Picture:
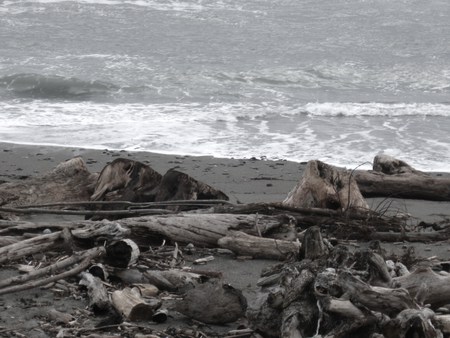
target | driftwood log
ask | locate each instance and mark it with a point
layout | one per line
(69, 181)
(325, 186)
(129, 180)
(132, 306)
(125, 180)
(333, 292)
(98, 296)
(391, 177)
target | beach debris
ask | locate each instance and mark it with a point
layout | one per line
(125, 180)
(132, 306)
(394, 177)
(68, 181)
(98, 296)
(319, 287)
(323, 294)
(122, 253)
(328, 187)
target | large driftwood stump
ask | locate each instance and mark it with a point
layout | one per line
(69, 181)
(325, 186)
(176, 185)
(125, 180)
(391, 177)
(128, 180)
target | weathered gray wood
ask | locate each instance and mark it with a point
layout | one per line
(69, 181)
(394, 178)
(125, 180)
(435, 286)
(132, 306)
(44, 281)
(243, 244)
(98, 296)
(325, 186)
(198, 229)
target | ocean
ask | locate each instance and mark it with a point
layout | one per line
(339, 81)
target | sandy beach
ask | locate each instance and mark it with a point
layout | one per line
(244, 180)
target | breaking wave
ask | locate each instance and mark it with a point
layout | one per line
(39, 86)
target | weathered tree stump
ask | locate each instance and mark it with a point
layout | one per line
(325, 186)
(125, 180)
(69, 181)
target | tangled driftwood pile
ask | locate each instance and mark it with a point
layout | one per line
(321, 288)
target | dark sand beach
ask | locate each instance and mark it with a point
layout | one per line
(244, 180)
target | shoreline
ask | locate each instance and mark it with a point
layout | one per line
(243, 180)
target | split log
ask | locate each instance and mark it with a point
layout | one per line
(325, 186)
(98, 296)
(394, 178)
(132, 306)
(243, 244)
(69, 181)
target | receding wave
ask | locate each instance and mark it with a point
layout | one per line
(376, 109)
(54, 87)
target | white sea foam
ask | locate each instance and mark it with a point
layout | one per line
(240, 130)
(376, 109)
(193, 6)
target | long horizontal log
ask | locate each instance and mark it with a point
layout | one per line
(199, 229)
(258, 247)
(392, 177)
(412, 186)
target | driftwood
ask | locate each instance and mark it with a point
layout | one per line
(98, 296)
(125, 180)
(394, 178)
(132, 306)
(325, 186)
(69, 181)
(128, 180)
(85, 262)
(122, 253)
(336, 293)
(258, 247)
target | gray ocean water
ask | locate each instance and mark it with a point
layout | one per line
(338, 81)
